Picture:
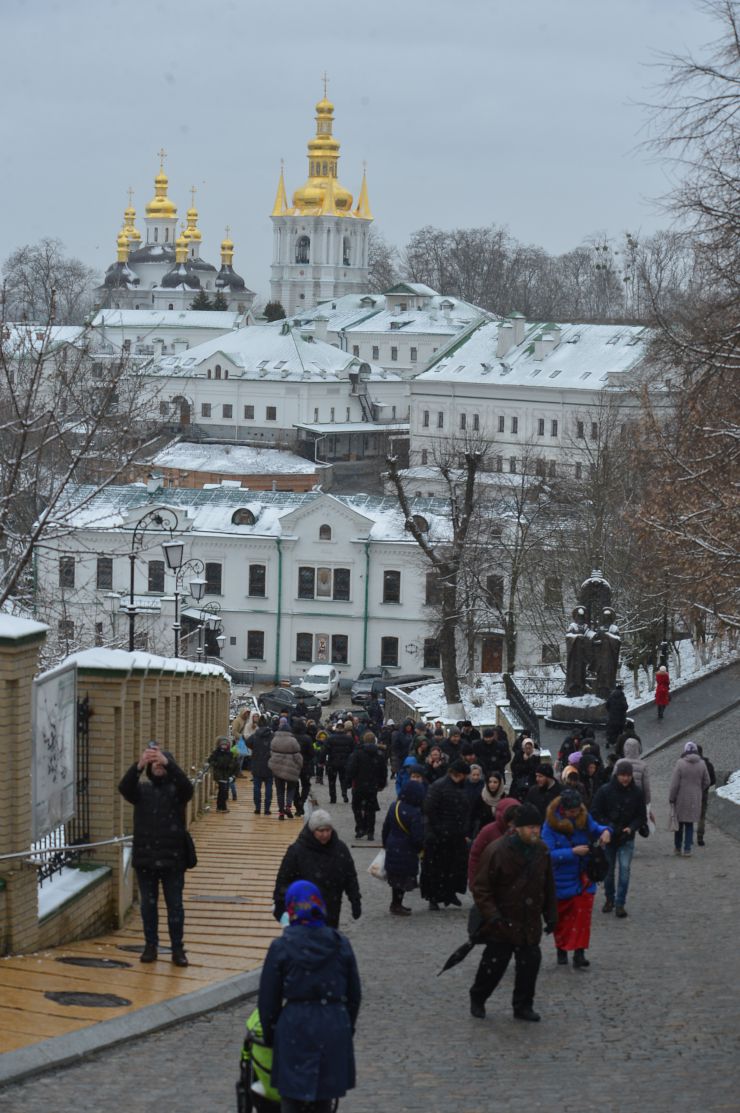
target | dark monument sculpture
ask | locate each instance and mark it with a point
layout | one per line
(592, 642)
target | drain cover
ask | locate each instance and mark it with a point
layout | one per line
(220, 899)
(137, 948)
(88, 1000)
(96, 963)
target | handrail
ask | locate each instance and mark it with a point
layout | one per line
(522, 707)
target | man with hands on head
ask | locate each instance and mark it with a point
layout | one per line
(159, 850)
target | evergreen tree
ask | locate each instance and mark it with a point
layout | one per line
(274, 311)
(220, 302)
(201, 301)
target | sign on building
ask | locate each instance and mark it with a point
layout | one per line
(54, 745)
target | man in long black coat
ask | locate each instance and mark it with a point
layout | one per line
(616, 714)
(159, 850)
(366, 772)
(444, 868)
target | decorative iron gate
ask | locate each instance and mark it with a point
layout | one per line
(61, 842)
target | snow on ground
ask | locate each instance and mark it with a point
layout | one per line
(731, 791)
(60, 887)
(695, 661)
(480, 702)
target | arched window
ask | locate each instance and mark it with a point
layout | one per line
(346, 251)
(156, 235)
(170, 306)
(226, 373)
(208, 373)
(324, 533)
(303, 250)
(243, 517)
(218, 370)
(166, 235)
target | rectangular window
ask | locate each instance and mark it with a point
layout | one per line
(476, 423)
(205, 409)
(413, 355)
(105, 574)
(355, 349)
(553, 594)
(99, 636)
(499, 463)
(228, 410)
(515, 424)
(271, 413)
(553, 428)
(552, 469)
(67, 571)
(323, 583)
(594, 430)
(331, 414)
(391, 586)
(425, 419)
(580, 431)
(155, 576)
(339, 649)
(304, 647)
(316, 413)
(389, 652)
(540, 427)
(213, 578)
(495, 590)
(579, 471)
(249, 413)
(257, 579)
(433, 590)
(431, 653)
(394, 354)
(539, 468)
(347, 417)
(463, 421)
(341, 584)
(306, 582)
(512, 465)
(440, 420)
(501, 426)
(376, 351)
(256, 645)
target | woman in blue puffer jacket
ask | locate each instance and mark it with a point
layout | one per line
(568, 832)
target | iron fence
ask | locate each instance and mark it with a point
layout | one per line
(63, 840)
(522, 708)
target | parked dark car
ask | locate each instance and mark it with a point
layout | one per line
(361, 688)
(284, 701)
(378, 686)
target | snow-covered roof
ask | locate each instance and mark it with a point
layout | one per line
(233, 459)
(211, 510)
(268, 352)
(220, 321)
(325, 427)
(431, 319)
(118, 660)
(369, 313)
(585, 357)
(17, 338)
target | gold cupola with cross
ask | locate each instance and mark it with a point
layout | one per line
(320, 242)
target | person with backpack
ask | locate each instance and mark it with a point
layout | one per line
(568, 833)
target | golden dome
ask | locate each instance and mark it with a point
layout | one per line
(227, 249)
(192, 232)
(181, 248)
(129, 216)
(160, 205)
(123, 246)
(323, 157)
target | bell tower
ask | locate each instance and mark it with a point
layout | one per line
(320, 243)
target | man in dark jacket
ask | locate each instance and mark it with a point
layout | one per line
(401, 740)
(366, 772)
(259, 744)
(545, 789)
(616, 714)
(305, 741)
(492, 753)
(514, 892)
(452, 745)
(704, 798)
(320, 856)
(339, 745)
(224, 766)
(621, 806)
(447, 811)
(159, 844)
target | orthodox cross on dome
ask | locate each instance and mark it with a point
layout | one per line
(130, 197)
(162, 155)
(193, 192)
(325, 79)
(228, 231)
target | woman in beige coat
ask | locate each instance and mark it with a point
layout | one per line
(690, 779)
(285, 762)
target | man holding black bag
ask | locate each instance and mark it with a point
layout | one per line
(160, 852)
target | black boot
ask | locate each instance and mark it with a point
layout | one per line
(149, 954)
(562, 957)
(580, 960)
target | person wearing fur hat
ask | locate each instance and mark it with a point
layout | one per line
(514, 892)
(689, 781)
(159, 852)
(567, 833)
(320, 856)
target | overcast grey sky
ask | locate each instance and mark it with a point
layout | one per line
(517, 113)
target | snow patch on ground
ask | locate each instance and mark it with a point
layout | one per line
(480, 702)
(60, 887)
(731, 791)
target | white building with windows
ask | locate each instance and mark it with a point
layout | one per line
(536, 393)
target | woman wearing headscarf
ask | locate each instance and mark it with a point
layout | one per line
(689, 781)
(309, 998)
(567, 833)
(493, 791)
(662, 690)
(403, 840)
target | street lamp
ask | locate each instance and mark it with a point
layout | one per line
(163, 518)
(209, 613)
(173, 553)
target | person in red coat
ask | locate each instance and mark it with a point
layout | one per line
(662, 693)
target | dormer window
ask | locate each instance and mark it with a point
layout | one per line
(243, 517)
(420, 522)
(324, 533)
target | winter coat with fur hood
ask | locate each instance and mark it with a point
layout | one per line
(560, 835)
(285, 756)
(690, 778)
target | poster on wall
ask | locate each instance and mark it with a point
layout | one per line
(54, 746)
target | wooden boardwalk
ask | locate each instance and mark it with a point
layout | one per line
(228, 928)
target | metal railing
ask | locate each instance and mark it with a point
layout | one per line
(60, 847)
(541, 691)
(522, 707)
(243, 677)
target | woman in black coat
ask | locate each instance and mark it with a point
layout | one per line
(523, 770)
(445, 865)
(319, 855)
(403, 840)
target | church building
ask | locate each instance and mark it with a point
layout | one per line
(320, 243)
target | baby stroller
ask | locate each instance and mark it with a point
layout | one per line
(254, 1090)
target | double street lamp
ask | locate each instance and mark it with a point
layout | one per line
(173, 554)
(162, 518)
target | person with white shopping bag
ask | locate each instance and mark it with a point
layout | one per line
(403, 840)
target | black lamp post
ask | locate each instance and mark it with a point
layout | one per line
(210, 613)
(173, 553)
(162, 518)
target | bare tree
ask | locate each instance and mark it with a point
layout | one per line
(41, 284)
(382, 263)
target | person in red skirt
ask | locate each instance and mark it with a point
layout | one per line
(568, 831)
(662, 690)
